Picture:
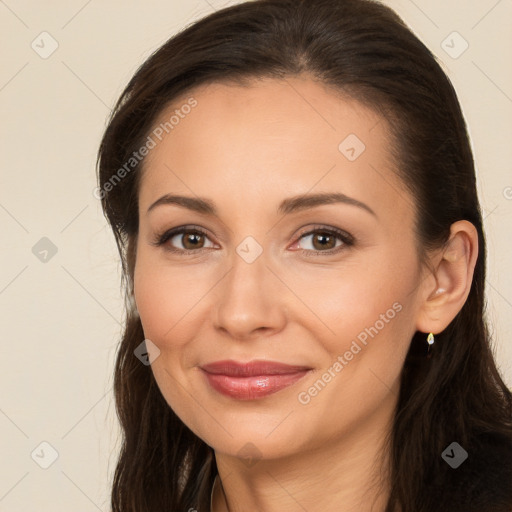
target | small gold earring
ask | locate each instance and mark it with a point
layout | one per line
(430, 341)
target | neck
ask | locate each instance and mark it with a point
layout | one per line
(347, 474)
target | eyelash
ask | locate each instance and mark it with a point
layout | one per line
(347, 239)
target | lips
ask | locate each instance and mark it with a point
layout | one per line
(253, 380)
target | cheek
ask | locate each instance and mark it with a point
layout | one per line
(353, 298)
(369, 314)
(168, 300)
(364, 359)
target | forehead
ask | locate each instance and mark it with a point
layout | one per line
(271, 138)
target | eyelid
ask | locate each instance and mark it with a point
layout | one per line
(161, 238)
(346, 238)
(330, 229)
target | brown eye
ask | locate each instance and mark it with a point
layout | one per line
(184, 240)
(324, 240)
(191, 240)
(320, 241)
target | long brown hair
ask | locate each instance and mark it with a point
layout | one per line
(364, 50)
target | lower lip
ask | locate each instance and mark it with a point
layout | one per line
(252, 388)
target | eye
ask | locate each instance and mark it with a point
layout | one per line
(191, 238)
(324, 240)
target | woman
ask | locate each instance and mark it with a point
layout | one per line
(292, 191)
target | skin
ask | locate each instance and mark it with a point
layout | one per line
(246, 149)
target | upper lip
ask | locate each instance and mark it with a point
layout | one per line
(252, 368)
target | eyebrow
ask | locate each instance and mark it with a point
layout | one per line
(287, 206)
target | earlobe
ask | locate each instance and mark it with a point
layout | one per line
(454, 269)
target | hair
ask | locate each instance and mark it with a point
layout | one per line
(363, 50)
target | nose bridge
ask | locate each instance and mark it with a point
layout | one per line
(247, 301)
(249, 262)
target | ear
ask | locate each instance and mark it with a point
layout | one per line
(453, 274)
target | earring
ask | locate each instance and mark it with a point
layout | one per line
(430, 341)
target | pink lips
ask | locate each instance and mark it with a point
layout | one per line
(253, 380)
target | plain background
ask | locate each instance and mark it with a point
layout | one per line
(61, 317)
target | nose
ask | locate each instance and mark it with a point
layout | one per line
(250, 300)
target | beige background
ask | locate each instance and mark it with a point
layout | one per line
(61, 318)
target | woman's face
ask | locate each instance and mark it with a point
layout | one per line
(267, 277)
